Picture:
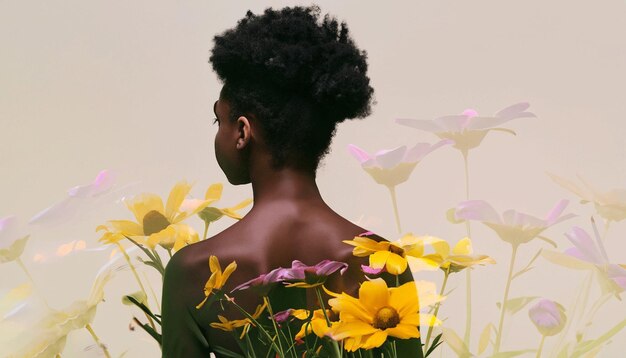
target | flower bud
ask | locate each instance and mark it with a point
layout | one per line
(548, 316)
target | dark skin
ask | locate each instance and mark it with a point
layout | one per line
(289, 220)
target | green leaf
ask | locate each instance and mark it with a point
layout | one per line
(586, 346)
(551, 242)
(527, 267)
(436, 343)
(143, 308)
(483, 342)
(452, 339)
(210, 214)
(515, 304)
(14, 251)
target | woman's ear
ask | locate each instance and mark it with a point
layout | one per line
(244, 132)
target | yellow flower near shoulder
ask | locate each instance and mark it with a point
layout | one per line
(461, 256)
(379, 312)
(217, 279)
(317, 325)
(226, 325)
(157, 223)
(394, 257)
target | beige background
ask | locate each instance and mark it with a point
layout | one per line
(125, 85)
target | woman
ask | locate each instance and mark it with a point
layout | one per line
(289, 78)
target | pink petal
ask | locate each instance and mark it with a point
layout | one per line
(358, 153)
(513, 110)
(477, 210)
(453, 123)
(390, 158)
(584, 245)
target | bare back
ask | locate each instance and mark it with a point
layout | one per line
(261, 241)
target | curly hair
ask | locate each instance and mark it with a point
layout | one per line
(298, 75)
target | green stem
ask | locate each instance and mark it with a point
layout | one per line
(257, 324)
(505, 299)
(143, 289)
(269, 309)
(543, 339)
(206, 229)
(437, 305)
(97, 340)
(392, 191)
(154, 296)
(323, 307)
(468, 272)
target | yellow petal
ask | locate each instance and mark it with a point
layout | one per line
(396, 264)
(463, 247)
(214, 192)
(403, 331)
(379, 259)
(374, 294)
(165, 238)
(176, 197)
(214, 264)
(423, 263)
(375, 340)
(351, 329)
(229, 269)
(142, 204)
(126, 227)
(241, 205)
(404, 299)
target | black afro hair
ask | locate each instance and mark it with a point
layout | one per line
(298, 75)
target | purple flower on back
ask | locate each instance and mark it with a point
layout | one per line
(264, 282)
(311, 276)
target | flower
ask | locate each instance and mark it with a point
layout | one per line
(589, 255)
(467, 130)
(514, 227)
(611, 204)
(461, 257)
(394, 257)
(366, 322)
(317, 323)
(548, 316)
(47, 338)
(79, 198)
(160, 224)
(226, 325)
(264, 282)
(8, 236)
(217, 279)
(209, 213)
(312, 276)
(391, 167)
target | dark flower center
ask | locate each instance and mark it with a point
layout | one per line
(396, 250)
(386, 317)
(154, 222)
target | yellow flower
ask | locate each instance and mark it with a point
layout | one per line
(229, 326)
(217, 279)
(379, 312)
(317, 325)
(157, 223)
(395, 256)
(461, 256)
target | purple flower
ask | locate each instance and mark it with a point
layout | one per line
(548, 316)
(264, 282)
(282, 316)
(311, 276)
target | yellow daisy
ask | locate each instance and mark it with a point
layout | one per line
(461, 256)
(394, 257)
(226, 325)
(156, 223)
(317, 325)
(379, 312)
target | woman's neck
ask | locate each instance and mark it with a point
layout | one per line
(286, 184)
